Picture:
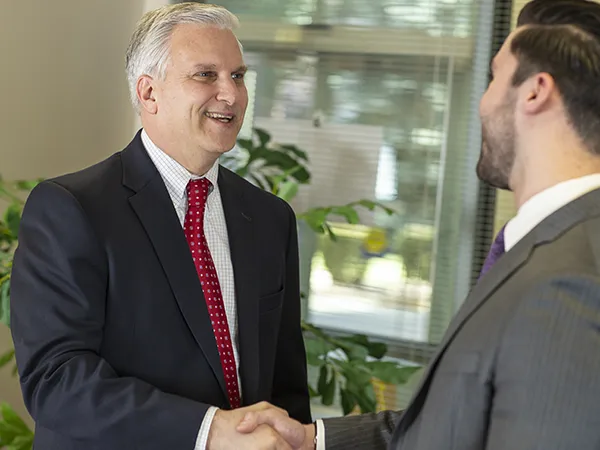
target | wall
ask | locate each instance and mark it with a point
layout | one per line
(64, 96)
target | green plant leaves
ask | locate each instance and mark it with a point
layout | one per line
(14, 433)
(375, 349)
(346, 364)
(263, 136)
(346, 211)
(5, 300)
(327, 384)
(6, 357)
(390, 372)
(288, 190)
(12, 217)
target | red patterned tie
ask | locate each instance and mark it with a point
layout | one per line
(197, 191)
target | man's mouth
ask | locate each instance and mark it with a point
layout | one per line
(221, 117)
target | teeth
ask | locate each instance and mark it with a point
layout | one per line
(218, 116)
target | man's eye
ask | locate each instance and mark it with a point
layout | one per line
(205, 74)
(238, 76)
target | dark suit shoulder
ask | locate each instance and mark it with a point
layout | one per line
(93, 179)
(267, 201)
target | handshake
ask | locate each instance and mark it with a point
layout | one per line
(261, 426)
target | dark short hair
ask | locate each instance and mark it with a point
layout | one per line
(562, 38)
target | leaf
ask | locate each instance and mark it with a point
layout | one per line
(21, 443)
(371, 205)
(348, 401)
(301, 175)
(375, 349)
(263, 136)
(322, 383)
(5, 302)
(329, 392)
(279, 160)
(330, 232)
(366, 399)
(356, 374)
(27, 185)
(11, 418)
(246, 144)
(348, 212)
(312, 392)
(12, 217)
(287, 190)
(316, 350)
(390, 372)
(6, 357)
(295, 150)
(355, 352)
(8, 433)
(315, 218)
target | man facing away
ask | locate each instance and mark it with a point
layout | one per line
(519, 367)
(156, 292)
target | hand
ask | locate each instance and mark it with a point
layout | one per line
(300, 437)
(223, 434)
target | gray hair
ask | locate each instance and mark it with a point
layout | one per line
(149, 48)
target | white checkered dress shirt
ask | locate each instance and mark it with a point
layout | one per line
(176, 178)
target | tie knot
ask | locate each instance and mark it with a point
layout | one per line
(197, 192)
(496, 251)
(498, 244)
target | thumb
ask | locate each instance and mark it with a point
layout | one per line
(248, 423)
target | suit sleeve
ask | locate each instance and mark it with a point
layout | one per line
(290, 382)
(547, 382)
(372, 431)
(58, 292)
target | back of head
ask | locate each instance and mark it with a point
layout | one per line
(562, 38)
(148, 50)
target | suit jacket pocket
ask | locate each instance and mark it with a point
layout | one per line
(460, 363)
(270, 302)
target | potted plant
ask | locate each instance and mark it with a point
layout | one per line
(14, 432)
(348, 365)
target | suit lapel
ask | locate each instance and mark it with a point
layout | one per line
(547, 231)
(242, 240)
(153, 206)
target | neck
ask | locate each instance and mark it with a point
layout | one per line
(549, 167)
(194, 160)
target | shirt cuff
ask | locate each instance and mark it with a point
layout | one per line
(320, 435)
(202, 439)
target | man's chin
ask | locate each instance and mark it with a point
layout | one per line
(492, 178)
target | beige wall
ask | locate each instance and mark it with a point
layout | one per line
(63, 92)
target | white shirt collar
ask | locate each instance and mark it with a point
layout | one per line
(175, 176)
(542, 205)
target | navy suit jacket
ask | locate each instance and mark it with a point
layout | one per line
(113, 340)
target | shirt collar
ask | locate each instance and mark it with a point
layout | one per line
(175, 176)
(542, 205)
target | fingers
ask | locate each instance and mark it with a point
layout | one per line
(271, 440)
(261, 406)
(289, 429)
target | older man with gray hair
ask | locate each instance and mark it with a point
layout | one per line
(155, 295)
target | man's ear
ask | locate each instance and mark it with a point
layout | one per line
(538, 93)
(146, 94)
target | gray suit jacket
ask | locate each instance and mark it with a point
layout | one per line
(519, 367)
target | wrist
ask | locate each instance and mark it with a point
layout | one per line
(214, 430)
(310, 440)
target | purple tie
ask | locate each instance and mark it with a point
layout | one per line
(496, 251)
